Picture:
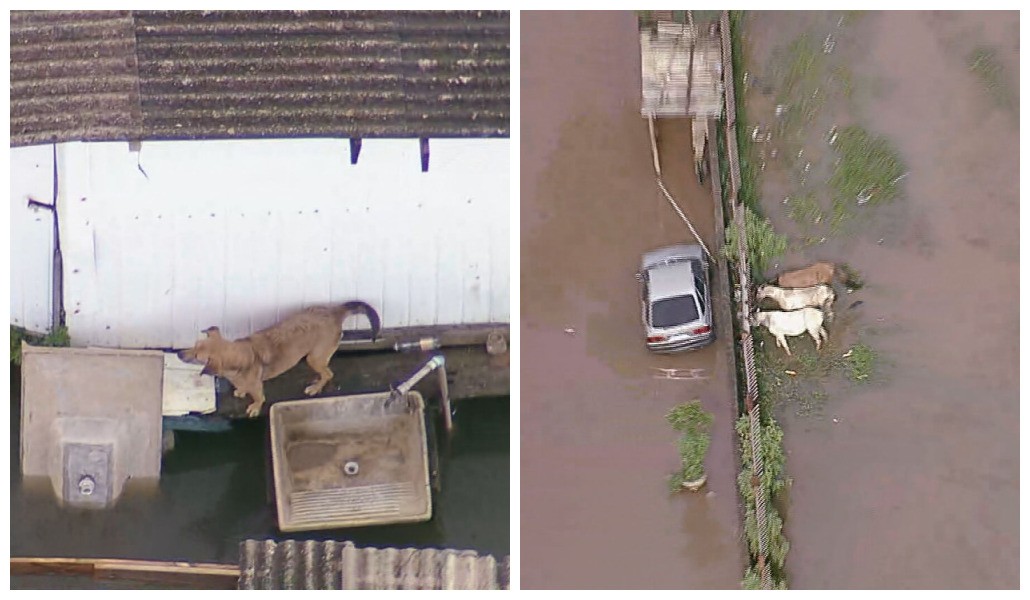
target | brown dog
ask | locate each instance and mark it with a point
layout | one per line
(313, 333)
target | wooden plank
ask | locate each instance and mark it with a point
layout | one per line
(194, 575)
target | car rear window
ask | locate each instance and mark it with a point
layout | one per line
(677, 310)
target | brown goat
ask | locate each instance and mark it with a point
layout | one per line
(816, 274)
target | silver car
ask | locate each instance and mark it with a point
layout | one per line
(677, 305)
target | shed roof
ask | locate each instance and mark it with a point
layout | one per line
(681, 70)
(126, 75)
(271, 565)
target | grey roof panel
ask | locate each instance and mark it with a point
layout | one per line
(73, 76)
(271, 565)
(221, 74)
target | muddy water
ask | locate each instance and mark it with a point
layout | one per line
(214, 493)
(595, 449)
(916, 484)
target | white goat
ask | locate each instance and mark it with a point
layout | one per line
(816, 296)
(795, 322)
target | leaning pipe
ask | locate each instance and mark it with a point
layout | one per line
(436, 362)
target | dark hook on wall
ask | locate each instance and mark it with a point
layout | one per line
(355, 150)
(424, 146)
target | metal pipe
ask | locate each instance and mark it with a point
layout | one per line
(445, 398)
(436, 362)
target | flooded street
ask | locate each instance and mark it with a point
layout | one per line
(596, 451)
(214, 492)
(912, 481)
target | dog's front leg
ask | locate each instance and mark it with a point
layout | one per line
(258, 394)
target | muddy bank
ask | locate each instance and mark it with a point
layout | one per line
(595, 448)
(913, 481)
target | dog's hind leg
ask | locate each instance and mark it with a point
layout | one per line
(318, 360)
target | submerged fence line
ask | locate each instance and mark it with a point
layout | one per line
(744, 283)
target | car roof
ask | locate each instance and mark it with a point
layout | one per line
(671, 253)
(671, 279)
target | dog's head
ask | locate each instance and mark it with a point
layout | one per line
(205, 351)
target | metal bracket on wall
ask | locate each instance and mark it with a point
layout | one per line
(355, 150)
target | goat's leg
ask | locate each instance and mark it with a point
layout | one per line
(815, 336)
(781, 341)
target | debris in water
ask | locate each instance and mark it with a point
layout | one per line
(836, 420)
(570, 331)
(754, 133)
(848, 353)
(780, 109)
(789, 372)
(808, 167)
(865, 195)
(785, 201)
(710, 495)
(879, 241)
(829, 44)
(772, 153)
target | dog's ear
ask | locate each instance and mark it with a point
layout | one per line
(212, 333)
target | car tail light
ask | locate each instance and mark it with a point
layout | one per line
(701, 330)
(656, 338)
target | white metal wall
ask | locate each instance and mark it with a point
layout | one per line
(241, 233)
(32, 238)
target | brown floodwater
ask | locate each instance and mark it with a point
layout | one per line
(913, 481)
(595, 449)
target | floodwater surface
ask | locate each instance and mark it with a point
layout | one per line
(912, 481)
(215, 491)
(596, 452)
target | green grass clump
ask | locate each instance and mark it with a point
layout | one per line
(859, 362)
(983, 63)
(695, 425)
(764, 244)
(58, 337)
(805, 211)
(869, 171)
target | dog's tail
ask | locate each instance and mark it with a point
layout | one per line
(363, 308)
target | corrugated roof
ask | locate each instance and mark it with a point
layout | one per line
(73, 76)
(270, 565)
(91, 75)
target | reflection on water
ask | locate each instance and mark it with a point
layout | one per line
(215, 490)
